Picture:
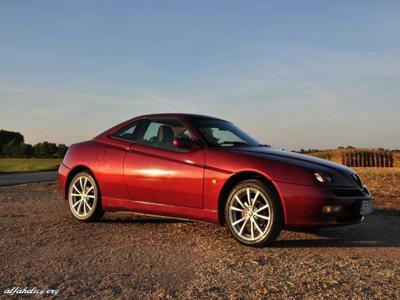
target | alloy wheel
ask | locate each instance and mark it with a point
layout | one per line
(250, 214)
(82, 196)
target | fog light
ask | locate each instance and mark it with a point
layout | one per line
(330, 209)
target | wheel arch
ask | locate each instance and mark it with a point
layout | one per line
(75, 170)
(236, 179)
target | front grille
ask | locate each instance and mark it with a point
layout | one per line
(357, 179)
(347, 193)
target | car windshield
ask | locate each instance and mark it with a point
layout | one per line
(219, 133)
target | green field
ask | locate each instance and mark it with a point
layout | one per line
(18, 165)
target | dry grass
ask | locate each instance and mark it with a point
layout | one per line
(384, 184)
(397, 160)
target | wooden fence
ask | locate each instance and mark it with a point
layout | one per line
(368, 158)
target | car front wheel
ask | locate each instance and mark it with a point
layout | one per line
(84, 198)
(253, 213)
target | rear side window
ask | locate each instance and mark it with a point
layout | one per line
(127, 133)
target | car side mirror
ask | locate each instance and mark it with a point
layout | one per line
(187, 144)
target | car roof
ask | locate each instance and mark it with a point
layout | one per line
(159, 115)
(187, 115)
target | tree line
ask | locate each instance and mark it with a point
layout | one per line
(307, 151)
(12, 144)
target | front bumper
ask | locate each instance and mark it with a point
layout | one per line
(304, 205)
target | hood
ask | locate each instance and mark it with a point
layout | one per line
(302, 159)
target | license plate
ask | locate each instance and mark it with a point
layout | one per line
(367, 206)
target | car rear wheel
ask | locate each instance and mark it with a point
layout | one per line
(84, 199)
(253, 213)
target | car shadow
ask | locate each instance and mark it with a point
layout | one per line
(375, 231)
(142, 220)
(380, 230)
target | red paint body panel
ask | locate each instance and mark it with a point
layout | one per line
(165, 177)
(189, 184)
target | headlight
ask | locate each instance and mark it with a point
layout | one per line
(323, 177)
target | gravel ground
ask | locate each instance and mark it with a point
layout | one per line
(126, 255)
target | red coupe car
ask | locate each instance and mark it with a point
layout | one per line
(204, 168)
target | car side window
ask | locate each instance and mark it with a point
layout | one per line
(151, 133)
(127, 133)
(161, 134)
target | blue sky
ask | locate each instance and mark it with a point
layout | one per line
(295, 74)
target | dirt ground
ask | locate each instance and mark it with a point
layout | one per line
(129, 256)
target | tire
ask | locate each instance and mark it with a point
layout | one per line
(253, 213)
(84, 198)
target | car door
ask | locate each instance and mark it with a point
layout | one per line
(157, 172)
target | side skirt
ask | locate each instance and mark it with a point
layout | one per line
(114, 204)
